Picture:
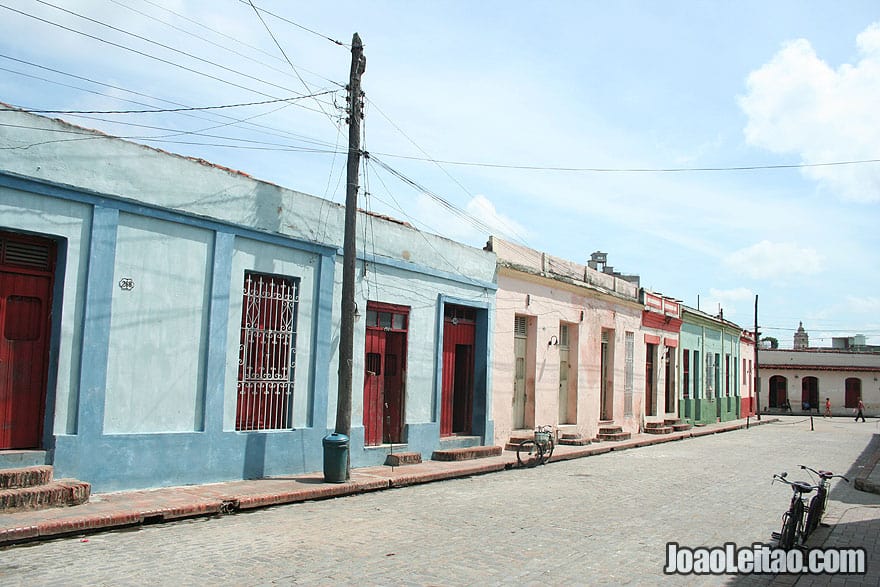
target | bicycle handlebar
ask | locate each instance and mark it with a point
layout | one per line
(801, 486)
(824, 474)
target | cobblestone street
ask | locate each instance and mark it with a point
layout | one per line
(599, 520)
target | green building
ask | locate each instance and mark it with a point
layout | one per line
(709, 353)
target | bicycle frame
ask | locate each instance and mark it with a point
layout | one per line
(793, 520)
(820, 500)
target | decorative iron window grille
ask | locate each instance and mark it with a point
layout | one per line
(267, 353)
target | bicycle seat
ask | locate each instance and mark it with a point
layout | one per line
(802, 487)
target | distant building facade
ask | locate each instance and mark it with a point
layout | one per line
(803, 379)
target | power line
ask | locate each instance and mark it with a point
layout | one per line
(286, 58)
(218, 45)
(296, 24)
(157, 110)
(630, 169)
(154, 57)
(262, 127)
(84, 135)
(164, 46)
(511, 230)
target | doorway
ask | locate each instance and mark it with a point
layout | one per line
(457, 397)
(385, 373)
(26, 280)
(567, 374)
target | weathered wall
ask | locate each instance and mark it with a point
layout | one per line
(547, 304)
(142, 388)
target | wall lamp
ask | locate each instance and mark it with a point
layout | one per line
(553, 341)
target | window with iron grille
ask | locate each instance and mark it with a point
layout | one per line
(267, 354)
(629, 376)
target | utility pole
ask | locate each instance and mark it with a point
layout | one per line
(346, 335)
(757, 375)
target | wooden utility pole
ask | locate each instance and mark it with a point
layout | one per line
(346, 334)
(757, 376)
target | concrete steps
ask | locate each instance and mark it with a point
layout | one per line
(657, 428)
(32, 488)
(399, 459)
(677, 425)
(573, 439)
(612, 433)
(466, 454)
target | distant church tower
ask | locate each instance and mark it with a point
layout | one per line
(801, 338)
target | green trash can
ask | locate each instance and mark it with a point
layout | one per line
(335, 458)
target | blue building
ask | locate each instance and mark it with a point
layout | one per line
(177, 322)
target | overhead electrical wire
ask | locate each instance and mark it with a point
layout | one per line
(158, 110)
(289, 62)
(296, 24)
(215, 44)
(511, 230)
(216, 115)
(154, 57)
(631, 169)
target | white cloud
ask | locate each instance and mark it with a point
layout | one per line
(775, 260)
(481, 210)
(738, 294)
(797, 103)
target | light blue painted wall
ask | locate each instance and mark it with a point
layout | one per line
(145, 385)
(156, 355)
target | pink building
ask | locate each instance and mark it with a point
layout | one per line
(566, 347)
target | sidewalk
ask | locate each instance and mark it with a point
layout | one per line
(131, 508)
(857, 525)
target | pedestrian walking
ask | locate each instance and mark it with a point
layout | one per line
(827, 413)
(861, 409)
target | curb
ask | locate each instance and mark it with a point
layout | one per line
(869, 464)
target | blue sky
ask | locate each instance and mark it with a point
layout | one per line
(588, 85)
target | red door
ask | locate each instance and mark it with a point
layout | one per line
(459, 336)
(374, 387)
(25, 303)
(384, 373)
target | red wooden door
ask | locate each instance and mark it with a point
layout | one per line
(374, 387)
(384, 373)
(852, 392)
(25, 303)
(394, 365)
(456, 401)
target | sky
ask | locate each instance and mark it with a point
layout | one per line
(688, 140)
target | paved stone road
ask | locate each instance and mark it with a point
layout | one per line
(599, 520)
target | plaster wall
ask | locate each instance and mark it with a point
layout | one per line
(547, 304)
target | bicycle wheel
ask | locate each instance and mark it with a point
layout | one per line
(791, 520)
(528, 453)
(548, 451)
(814, 515)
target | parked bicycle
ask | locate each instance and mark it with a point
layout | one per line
(820, 500)
(538, 450)
(793, 520)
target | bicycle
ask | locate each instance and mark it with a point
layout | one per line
(820, 500)
(536, 451)
(793, 520)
